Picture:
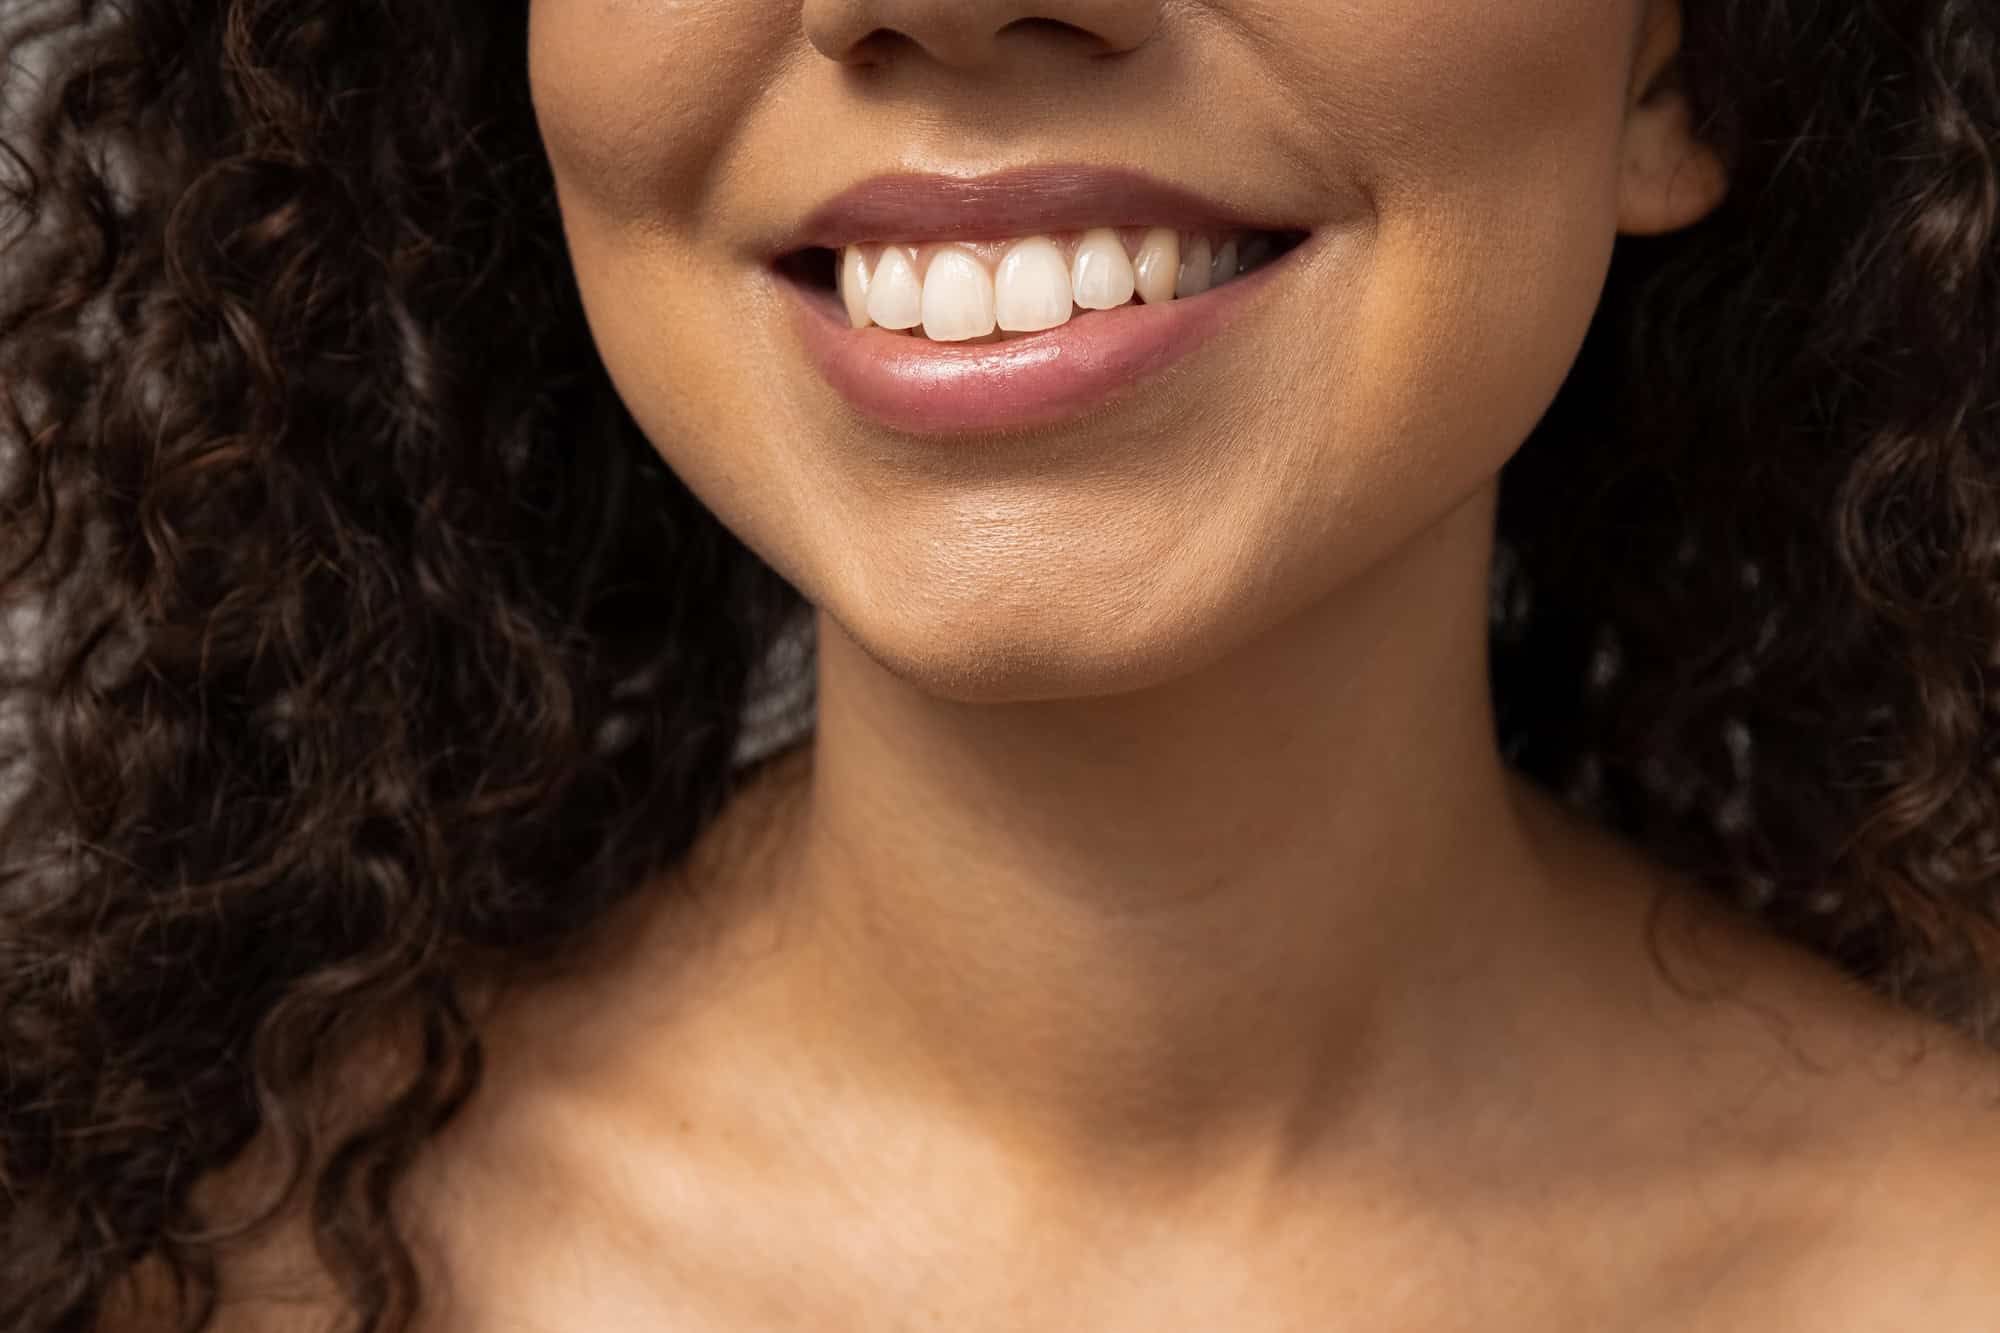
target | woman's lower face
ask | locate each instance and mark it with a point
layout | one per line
(1006, 513)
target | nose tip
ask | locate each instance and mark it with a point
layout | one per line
(968, 34)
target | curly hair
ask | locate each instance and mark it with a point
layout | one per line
(363, 652)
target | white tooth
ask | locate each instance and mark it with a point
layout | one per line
(1195, 264)
(895, 296)
(1255, 251)
(1225, 264)
(854, 286)
(958, 297)
(1101, 275)
(1157, 266)
(1031, 288)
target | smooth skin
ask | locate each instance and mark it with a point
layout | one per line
(1152, 937)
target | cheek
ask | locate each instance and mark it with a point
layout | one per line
(641, 105)
(1487, 135)
(637, 103)
(1435, 81)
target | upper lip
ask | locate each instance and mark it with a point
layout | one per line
(1024, 201)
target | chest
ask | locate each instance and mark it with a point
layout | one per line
(863, 1274)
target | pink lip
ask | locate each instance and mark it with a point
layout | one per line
(1046, 198)
(923, 387)
(912, 384)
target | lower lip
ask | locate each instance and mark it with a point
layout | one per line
(912, 384)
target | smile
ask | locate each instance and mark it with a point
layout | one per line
(967, 333)
(959, 292)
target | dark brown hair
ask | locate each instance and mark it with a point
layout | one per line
(360, 648)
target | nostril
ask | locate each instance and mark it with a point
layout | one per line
(1054, 29)
(879, 44)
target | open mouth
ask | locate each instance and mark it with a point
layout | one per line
(997, 291)
(980, 338)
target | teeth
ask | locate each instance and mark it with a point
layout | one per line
(1101, 274)
(854, 286)
(958, 298)
(1157, 265)
(1225, 264)
(895, 297)
(1195, 266)
(1032, 290)
(956, 292)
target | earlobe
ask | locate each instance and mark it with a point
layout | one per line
(1669, 179)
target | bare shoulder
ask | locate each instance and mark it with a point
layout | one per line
(274, 1285)
(1850, 1145)
(1910, 1236)
(1891, 1213)
(269, 1278)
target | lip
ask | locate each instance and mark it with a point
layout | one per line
(911, 384)
(922, 387)
(1026, 200)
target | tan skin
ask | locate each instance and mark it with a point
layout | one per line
(1151, 935)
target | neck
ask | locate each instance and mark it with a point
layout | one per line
(1210, 917)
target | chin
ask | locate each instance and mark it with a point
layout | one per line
(977, 644)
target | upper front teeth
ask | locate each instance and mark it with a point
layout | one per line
(1031, 289)
(955, 292)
